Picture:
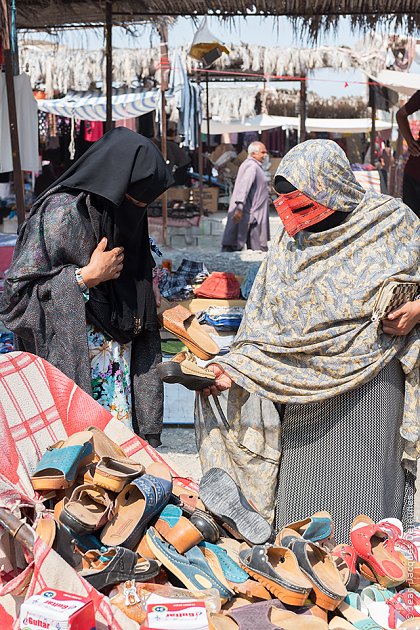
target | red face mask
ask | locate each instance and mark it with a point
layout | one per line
(298, 212)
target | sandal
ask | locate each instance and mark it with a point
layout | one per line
(88, 509)
(116, 565)
(177, 530)
(316, 528)
(353, 614)
(345, 558)
(183, 369)
(277, 569)
(113, 474)
(59, 465)
(378, 563)
(270, 615)
(319, 567)
(402, 606)
(230, 573)
(184, 325)
(223, 498)
(191, 569)
(136, 505)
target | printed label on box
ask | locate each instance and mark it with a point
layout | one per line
(190, 615)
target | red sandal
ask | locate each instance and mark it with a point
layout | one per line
(345, 558)
(377, 562)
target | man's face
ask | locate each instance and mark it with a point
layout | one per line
(260, 155)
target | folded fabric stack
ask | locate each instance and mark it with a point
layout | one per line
(179, 284)
(224, 318)
(219, 285)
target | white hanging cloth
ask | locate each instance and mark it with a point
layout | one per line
(27, 121)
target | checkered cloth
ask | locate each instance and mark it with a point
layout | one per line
(39, 406)
(178, 285)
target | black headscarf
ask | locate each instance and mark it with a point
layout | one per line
(121, 162)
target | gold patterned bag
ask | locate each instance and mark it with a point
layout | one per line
(392, 295)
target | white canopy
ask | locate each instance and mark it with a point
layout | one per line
(403, 82)
(264, 121)
(89, 106)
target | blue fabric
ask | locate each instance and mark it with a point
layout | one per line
(246, 286)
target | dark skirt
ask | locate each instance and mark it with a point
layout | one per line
(344, 456)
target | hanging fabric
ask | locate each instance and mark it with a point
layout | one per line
(27, 121)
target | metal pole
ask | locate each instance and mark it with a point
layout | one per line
(11, 104)
(164, 70)
(373, 130)
(302, 130)
(108, 53)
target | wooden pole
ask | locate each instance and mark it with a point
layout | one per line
(108, 53)
(303, 108)
(11, 105)
(373, 130)
(164, 72)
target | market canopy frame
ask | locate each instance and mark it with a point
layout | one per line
(316, 16)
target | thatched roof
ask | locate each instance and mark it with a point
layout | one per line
(58, 67)
(317, 14)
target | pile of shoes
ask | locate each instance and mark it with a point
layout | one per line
(134, 533)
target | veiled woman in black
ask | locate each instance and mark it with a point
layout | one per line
(80, 292)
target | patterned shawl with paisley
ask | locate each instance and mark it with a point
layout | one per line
(307, 333)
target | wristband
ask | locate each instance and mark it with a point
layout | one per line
(80, 280)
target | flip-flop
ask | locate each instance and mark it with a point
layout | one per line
(184, 325)
(223, 498)
(58, 467)
(136, 505)
(191, 569)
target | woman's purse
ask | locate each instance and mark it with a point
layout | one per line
(392, 295)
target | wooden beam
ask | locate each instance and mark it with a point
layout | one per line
(302, 110)
(373, 130)
(108, 53)
(164, 78)
(11, 105)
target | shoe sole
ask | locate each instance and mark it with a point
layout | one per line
(222, 497)
(285, 596)
(171, 372)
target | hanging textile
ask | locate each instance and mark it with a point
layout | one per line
(27, 121)
(188, 102)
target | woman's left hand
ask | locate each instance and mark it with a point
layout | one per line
(156, 293)
(402, 321)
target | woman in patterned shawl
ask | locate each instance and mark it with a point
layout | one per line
(346, 388)
(79, 291)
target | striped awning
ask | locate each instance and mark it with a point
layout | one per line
(91, 106)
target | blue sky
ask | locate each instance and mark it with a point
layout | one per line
(252, 30)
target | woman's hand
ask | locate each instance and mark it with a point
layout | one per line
(103, 265)
(402, 321)
(222, 382)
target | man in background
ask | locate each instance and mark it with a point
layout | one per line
(247, 222)
(411, 181)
